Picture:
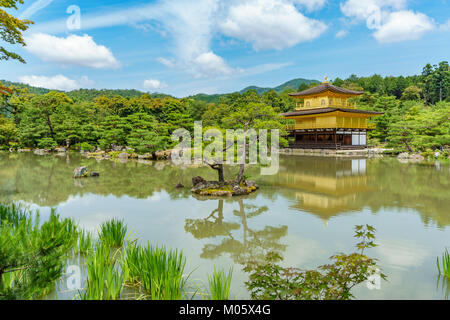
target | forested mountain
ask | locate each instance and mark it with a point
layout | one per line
(33, 90)
(293, 84)
(89, 94)
(85, 94)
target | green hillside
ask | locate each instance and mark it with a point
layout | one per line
(86, 94)
(89, 94)
(293, 84)
(34, 90)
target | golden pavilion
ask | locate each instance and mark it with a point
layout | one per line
(328, 120)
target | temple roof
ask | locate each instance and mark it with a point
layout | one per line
(325, 87)
(326, 110)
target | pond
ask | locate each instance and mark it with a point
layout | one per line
(306, 212)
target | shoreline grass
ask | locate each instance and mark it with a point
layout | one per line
(112, 233)
(444, 265)
(219, 283)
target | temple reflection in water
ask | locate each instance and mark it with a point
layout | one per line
(323, 187)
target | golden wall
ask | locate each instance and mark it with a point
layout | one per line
(331, 121)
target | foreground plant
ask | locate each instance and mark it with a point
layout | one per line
(158, 271)
(32, 256)
(219, 284)
(112, 233)
(85, 242)
(444, 265)
(333, 281)
(104, 280)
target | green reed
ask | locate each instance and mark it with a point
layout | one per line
(85, 242)
(162, 272)
(112, 233)
(219, 284)
(444, 264)
(157, 270)
(130, 264)
(104, 281)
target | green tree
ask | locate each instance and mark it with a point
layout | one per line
(8, 130)
(253, 116)
(146, 134)
(412, 93)
(113, 131)
(421, 127)
(32, 254)
(11, 29)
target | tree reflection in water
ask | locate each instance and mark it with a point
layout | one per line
(250, 245)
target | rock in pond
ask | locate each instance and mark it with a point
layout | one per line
(224, 189)
(123, 155)
(60, 150)
(417, 157)
(197, 180)
(95, 174)
(80, 172)
(403, 155)
(41, 152)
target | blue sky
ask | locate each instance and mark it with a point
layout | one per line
(183, 47)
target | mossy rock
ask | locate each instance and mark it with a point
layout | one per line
(224, 189)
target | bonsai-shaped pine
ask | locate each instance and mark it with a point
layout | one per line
(254, 116)
(333, 281)
(247, 117)
(32, 255)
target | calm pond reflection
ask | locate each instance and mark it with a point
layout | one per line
(306, 212)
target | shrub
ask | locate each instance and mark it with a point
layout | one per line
(47, 143)
(330, 282)
(85, 146)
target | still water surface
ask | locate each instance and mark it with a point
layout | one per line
(306, 213)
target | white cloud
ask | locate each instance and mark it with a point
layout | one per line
(401, 254)
(311, 5)
(154, 84)
(270, 24)
(167, 62)
(210, 64)
(57, 82)
(404, 25)
(73, 50)
(191, 25)
(390, 19)
(341, 34)
(370, 9)
(34, 8)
